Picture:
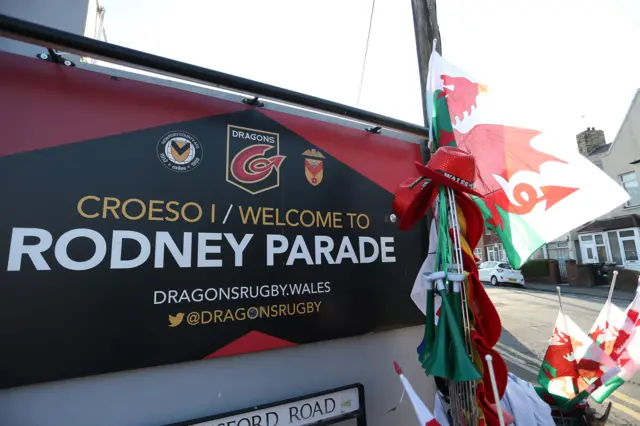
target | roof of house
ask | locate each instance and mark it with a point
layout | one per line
(626, 117)
(600, 150)
(618, 222)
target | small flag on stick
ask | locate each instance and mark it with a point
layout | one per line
(425, 418)
(625, 351)
(611, 322)
(573, 365)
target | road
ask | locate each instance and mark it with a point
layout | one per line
(528, 318)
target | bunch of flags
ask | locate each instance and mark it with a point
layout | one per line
(578, 365)
(533, 187)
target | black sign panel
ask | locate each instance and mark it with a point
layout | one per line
(135, 235)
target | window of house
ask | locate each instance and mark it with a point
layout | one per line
(614, 243)
(478, 253)
(501, 253)
(630, 184)
(487, 230)
(492, 253)
(630, 250)
(619, 246)
(601, 248)
(594, 248)
(496, 253)
(589, 253)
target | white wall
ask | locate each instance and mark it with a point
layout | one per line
(625, 149)
(67, 15)
(156, 396)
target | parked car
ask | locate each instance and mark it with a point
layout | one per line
(500, 272)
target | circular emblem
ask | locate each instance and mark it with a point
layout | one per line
(179, 151)
(252, 313)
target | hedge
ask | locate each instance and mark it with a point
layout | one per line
(536, 268)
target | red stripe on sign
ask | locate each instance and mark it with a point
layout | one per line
(44, 105)
(433, 422)
(254, 341)
(383, 160)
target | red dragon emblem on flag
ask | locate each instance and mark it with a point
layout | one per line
(499, 151)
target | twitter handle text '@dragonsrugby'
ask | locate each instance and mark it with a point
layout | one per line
(215, 294)
(244, 314)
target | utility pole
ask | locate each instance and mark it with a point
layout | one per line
(425, 24)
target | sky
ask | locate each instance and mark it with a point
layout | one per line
(567, 64)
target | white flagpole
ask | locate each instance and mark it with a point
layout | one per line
(613, 285)
(560, 299)
(494, 385)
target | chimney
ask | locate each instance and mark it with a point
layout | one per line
(589, 140)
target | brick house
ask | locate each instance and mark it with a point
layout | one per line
(490, 248)
(615, 237)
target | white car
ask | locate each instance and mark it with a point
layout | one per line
(500, 272)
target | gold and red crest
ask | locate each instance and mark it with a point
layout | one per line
(313, 166)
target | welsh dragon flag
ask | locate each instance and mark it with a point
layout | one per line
(625, 350)
(610, 322)
(536, 185)
(573, 363)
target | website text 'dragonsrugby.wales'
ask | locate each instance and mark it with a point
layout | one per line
(220, 294)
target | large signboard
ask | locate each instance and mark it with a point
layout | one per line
(143, 225)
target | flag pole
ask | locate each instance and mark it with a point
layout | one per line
(494, 385)
(584, 394)
(613, 285)
(426, 29)
(576, 399)
(560, 299)
(424, 416)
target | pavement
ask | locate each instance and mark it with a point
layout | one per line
(528, 316)
(599, 291)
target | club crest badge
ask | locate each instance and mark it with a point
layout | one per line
(179, 151)
(253, 159)
(313, 166)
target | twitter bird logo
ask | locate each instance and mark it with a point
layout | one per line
(176, 320)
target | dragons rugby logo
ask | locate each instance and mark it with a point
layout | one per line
(253, 159)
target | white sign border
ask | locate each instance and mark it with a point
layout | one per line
(338, 413)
